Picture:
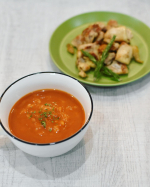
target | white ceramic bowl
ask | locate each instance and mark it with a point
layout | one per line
(38, 81)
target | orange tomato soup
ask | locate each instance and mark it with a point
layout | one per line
(46, 116)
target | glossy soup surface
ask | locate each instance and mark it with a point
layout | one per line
(46, 116)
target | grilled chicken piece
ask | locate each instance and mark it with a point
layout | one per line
(100, 37)
(109, 59)
(136, 54)
(102, 48)
(118, 68)
(85, 46)
(82, 74)
(84, 64)
(124, 53)
(101, 24)
(112, 23)
(89, 35)
(92, 32)
(91, 48)
(129, 34)
(122, 34)
(114, 47)
(88, 61)
(76, 42)
(70, 48)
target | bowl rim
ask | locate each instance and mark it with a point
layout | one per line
(53, 143)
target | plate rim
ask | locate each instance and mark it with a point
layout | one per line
(83, 80)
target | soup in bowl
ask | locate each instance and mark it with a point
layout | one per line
(46, 114)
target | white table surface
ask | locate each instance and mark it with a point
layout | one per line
(115, 151)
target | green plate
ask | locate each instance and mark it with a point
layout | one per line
(68, 30)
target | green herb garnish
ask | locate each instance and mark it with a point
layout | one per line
(45, 114)
(46, 104)
(91, 57)
(100, 64)
(43, 123)
(108, 72)
(30, 116)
